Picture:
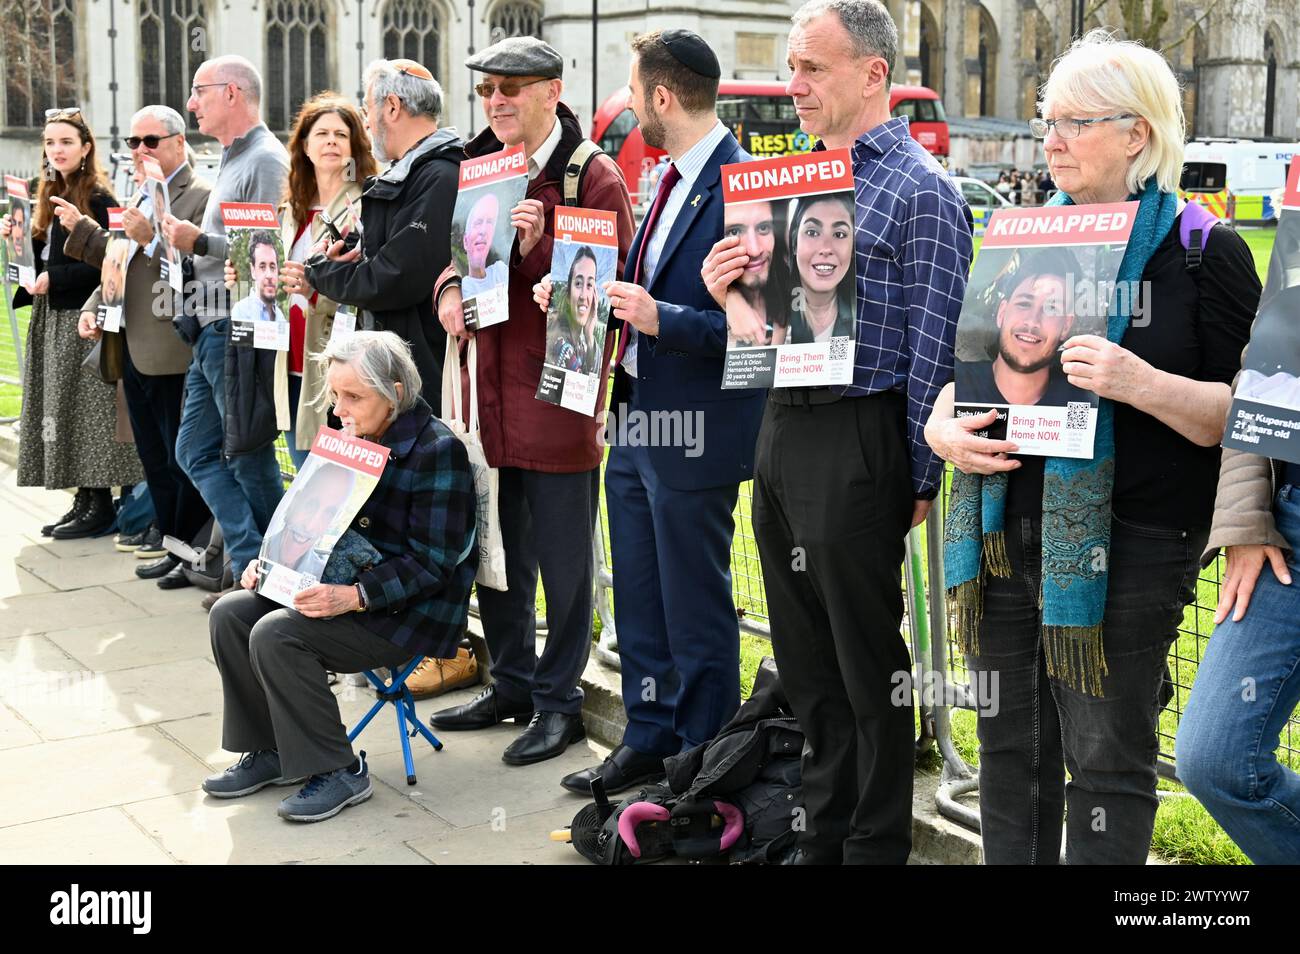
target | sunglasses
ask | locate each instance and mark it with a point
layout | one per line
(509, 88)
(134, 142)
(63, 112)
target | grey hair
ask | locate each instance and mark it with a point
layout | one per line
(420, 97)
(871, 29)
(171, 121)
(233, 68)
(381, 360)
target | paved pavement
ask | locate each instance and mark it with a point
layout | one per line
(110, 709)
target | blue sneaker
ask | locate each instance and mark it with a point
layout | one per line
(324, 796)
(252, 772)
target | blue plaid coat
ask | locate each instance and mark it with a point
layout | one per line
(421, 517)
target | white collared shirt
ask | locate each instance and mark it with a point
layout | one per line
(538, 160)
(690, 165)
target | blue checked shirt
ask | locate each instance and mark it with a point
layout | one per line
(913, 243)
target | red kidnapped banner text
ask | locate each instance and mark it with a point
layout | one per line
(243, 215)
(788, 176)
(493, 168)
(1102, 224)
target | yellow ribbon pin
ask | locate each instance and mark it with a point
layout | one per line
(695, 201)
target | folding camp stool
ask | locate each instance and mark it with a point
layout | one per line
(396, 694)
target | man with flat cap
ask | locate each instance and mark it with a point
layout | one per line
(548, 456)
(670, 512)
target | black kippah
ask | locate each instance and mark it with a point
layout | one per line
(690, 50)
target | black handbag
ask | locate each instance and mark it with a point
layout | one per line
(105, 360)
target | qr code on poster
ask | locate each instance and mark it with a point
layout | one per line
(1076, 415)
(840, 348)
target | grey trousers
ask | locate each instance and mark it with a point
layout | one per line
(272, 662)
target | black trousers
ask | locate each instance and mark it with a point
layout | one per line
(547, 524)
(153, 403)
(832, 507)
(276, 695)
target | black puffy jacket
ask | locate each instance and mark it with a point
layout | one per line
(406, 243)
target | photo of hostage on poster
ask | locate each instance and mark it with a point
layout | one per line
(158, 204)
(584, 260)
(259, 317)
(1265, 414)
(316, 510)
(482, 234)
(1043, 277)
(112, 274)
(792, 315)
(18, 246)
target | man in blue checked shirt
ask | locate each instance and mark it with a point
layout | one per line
(842, 473)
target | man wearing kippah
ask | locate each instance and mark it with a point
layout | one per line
(548, 457)
(670, 507)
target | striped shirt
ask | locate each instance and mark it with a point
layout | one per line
(913, 244)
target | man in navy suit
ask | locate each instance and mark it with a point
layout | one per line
(672, 487)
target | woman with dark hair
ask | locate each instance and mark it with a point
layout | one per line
(821, 255)
(69, 415)
(577, 346)
(329, 159)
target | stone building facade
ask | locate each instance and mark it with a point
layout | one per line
(1240, 62)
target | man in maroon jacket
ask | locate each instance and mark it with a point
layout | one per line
(549, 456)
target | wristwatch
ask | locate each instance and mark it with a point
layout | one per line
(363, 604)
(201, 244)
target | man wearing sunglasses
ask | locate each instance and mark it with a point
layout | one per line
(156, 359)
(405, 217)
(548, 456)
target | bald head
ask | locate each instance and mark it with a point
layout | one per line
(226, 98)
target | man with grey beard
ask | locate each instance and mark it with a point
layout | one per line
(405, 217)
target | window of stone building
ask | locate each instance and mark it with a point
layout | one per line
(413, 29)
(297, 57)
(515, 18)
(40, 58)
(169, 53)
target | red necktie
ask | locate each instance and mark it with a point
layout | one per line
(669, 179)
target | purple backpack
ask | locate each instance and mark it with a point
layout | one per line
(1194, 227)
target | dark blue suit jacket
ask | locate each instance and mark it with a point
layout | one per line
(680, 369)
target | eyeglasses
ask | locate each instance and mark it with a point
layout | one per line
(197, 87)
(509, 88)
(133, 142)
(62, 112)
(1068, 128)
(410, 68)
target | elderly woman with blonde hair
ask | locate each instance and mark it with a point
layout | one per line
(1068, 578)
(411, 597)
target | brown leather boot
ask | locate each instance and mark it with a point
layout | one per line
(433, 677)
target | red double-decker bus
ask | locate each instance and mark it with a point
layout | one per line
(763, 118)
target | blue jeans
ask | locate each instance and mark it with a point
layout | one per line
(241, 491)
(299, 457)
(1041, 726)
(1247, 686)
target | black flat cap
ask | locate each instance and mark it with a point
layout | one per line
(690, 50)
(519, 56)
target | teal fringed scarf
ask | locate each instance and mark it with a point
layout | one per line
(1076, 510)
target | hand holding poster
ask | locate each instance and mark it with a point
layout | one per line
(260, 318)
(112, 275)
(1042, 277)
(481, 233)
(791, 318)
(154, 188)
(22, 259)
(1265, 414)
(329, 490)
(585, 258)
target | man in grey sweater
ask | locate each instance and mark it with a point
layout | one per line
(224, 444)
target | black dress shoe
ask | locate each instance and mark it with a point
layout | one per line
(156, 569)
(624, 768)
(175, 579)
(547, 736)
(97, 517)
(485, 710)
(79, 504)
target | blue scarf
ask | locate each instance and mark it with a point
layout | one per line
(1076, 509)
